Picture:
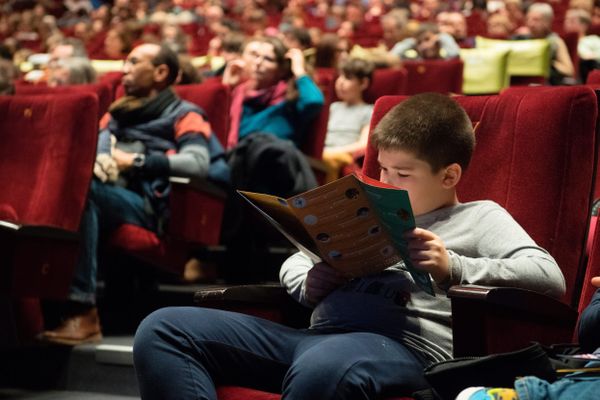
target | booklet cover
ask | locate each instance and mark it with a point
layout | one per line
(354, 224)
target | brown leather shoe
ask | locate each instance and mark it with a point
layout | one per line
(78, 329)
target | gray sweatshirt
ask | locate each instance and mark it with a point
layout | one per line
(486, 246)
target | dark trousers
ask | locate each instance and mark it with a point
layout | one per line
(184, 352)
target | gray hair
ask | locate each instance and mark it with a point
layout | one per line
(80, 70)
(543, 8)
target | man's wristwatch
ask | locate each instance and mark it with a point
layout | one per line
(139, 160)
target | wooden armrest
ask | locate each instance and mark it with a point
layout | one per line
(269, 301)
(34, 231)
(199, 185)
(489, 320)
(256, 294)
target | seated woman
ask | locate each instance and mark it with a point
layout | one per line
(272, 93)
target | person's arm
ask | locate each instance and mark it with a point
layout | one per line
(449, 45)
(191, 160)
(310, 98)
(401, 47)
(505, 256)
(309, 283)
(562, 61)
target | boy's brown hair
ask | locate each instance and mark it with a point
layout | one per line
(358, 68)
(432, 126)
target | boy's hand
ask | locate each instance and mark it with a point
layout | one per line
(428, 253)
(321, 280)
(596, 281)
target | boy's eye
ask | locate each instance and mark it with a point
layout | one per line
(401, 175)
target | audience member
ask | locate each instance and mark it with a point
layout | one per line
(145, 137)
(539, 25)
(348, 125)
(428, 44)
(455, 24)
(393, 25)
(588, 46)
(262, 79)
(8, 74)
(363, 341)
(331, 51)
(499, 26)
(70, 71)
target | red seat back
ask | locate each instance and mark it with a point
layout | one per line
(47, 155)
(441, 76)
(214, 98)
(535, 156)
(102, 90)
(386, 82)
(593, 77)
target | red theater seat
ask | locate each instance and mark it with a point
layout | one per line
(46, 160)
(593, 77)
(441, 76)
(103, 90)
(536, 157)
(387, 82)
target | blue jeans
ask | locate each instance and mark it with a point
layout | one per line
(184, 352)
(107, 207)
(532, 388)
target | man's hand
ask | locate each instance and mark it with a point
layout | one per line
(321, 280)
(428, 253)
(124, 160)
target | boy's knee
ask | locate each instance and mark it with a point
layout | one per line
(330, 380)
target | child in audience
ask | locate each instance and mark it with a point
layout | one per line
(370, 336)
(348, 126)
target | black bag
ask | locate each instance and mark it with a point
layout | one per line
(448, 378)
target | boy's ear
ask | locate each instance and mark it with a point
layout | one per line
(364, 84)
(451, 176)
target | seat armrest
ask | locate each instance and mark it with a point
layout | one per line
(37, 231)
(488, 320)
(268, 301)
(256, 294)
(199, 185)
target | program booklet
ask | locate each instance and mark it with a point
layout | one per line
(355, 224)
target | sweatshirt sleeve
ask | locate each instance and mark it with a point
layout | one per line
(192, 160)
(292, 276)
(504, 255)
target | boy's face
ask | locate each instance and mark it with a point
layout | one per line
(349, 90)
(404, 170)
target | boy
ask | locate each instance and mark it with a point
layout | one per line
(370, 336)
(348, 125)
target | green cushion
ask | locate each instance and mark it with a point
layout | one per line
(527, 57)
(485, 70)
